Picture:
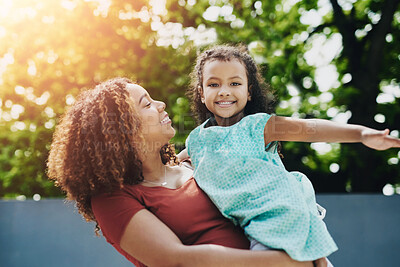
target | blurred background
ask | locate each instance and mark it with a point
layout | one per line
(337, 60)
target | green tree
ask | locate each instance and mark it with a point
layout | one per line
(281, 33)
(51, 50)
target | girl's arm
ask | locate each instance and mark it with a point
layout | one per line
(316, 130)
(183, 155)
(150, 241)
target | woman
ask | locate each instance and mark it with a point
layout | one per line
(110, 154)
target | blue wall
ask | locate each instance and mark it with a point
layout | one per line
(366, 229)
(51, 233)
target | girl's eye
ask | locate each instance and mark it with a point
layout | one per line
(213, 85)
(147, 105)
(235, 84)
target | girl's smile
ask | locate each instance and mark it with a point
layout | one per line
(225, 104)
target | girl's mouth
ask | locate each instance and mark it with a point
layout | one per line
(225, 104)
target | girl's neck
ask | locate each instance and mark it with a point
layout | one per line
(229, 121)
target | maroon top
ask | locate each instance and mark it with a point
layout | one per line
(187, 211)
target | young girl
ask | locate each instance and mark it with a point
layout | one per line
(234, 152)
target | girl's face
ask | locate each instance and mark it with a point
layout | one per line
(156, 124)
(225, 90)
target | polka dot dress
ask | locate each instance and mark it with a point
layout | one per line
(250, 186)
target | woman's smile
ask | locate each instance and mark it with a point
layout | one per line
(166, 120)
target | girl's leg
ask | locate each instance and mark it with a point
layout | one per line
(255, 245)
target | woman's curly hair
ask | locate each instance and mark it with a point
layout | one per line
(261, 95)
(97, 143)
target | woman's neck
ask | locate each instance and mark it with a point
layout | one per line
(152, 167)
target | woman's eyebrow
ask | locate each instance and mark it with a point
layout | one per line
(141, 98)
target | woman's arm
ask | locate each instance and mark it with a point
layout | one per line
(316, 130)
(150, 241)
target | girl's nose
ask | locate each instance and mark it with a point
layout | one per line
(224, 91)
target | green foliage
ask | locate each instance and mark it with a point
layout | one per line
(51, 50)
(279, 40)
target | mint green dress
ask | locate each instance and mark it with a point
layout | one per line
(250, 185)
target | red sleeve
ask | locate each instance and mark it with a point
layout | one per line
(113, 213)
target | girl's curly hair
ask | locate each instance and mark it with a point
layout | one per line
(97, 143)
(261, 95)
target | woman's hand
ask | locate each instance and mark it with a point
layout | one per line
(379, 140)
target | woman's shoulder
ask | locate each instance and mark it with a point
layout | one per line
(131, 192)
(114, 210)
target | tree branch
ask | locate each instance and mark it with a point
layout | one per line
(377, 36)
(347, 28)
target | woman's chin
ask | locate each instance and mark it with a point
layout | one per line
(169, 134)
(172, 134)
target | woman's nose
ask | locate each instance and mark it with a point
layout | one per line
(161, 106)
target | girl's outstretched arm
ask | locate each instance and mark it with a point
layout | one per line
(150, 241)
(316, 130)
(379, 140)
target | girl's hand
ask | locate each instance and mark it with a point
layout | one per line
(379, 140)
(322, 262)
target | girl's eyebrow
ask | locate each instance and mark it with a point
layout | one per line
(233, 77)
(212, 77)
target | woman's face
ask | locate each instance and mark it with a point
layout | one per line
(156, 125)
